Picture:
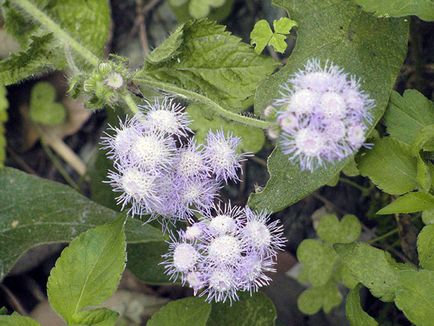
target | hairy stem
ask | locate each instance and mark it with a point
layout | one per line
(206, 101)
(39, 16)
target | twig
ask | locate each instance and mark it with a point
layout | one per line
(141, 24)
(258, 160)
(13, 301)
(20, 161)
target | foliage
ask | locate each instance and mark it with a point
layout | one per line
(3, 118)
(359, 35)
(262, 35)
(398, 8)
(43, 108)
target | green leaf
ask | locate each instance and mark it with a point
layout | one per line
(261, 35)
(313, 299)
(425, 245)
(372, 49)
(43, 108)
(399, 8)
(183, 312)
(409, 203)
(415, 296)
(332, 230)
(372, 267)
(257, 310)
(17, 320)
(391, 166)
(406, 115)
(86, 21)
(218, 10)
(88, 270)
(4, 104)
(99, 317)
(252, 139)
(212, 62)
(354, 310)
(51, 212)
(318, 261)
(34, 60)
(169, 48)
(428, 216)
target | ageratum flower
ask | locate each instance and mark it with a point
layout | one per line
(323, 115)
(232, 250)
(161, 171)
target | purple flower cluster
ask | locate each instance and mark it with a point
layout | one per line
(161, 171)
(323, 115)
(227, 252)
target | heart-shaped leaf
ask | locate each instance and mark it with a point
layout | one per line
(332, 230)
(43, 108)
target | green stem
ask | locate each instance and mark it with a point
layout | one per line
(384, 236)
(38, 15)
(206, 101)
(353, 184)
(130, 103)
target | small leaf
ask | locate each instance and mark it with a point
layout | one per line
(183, 312)
(284, 25)
(43, 108)
(278, 42)
(332, 230)
(409, 203)
(372, 267)
(313, 299)
(354, 310)
(17, 320)
(252, 139)
(256, 309)
(406, 115)
(88, 270)
(261, 35)
(428, 216)
(318, 261)
(425, 245)
(391, 166)
(415, 296)
(399, 8)
(169, 48)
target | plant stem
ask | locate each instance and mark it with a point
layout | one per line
(130, 103)
(384, 236)
(204, 100)
(38, 15)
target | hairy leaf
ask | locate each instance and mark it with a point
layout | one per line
(372, 267)
(332, 230)
(212, 62)
(337, 30)
(425, 245)
(50, 212)
(399, 8)
(88, 271)
(415, 296)
(409, 203)
(391, 166)
(406, 115)
(183, 312)
(354, 310)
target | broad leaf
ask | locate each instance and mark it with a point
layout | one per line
(318, 261)
(209, 61)
(372, 49)
(409, 203)
(391, 166)
(17, 320)
(399, 8)
(256, 309)
(354, 310)
(428, 216)
(96, 317)
(425, 247)
(372, 267)
(332, 230)
(406, 115)
(183, 312)
(313, 299)
(415, 296)
(43, 107)
(50, 212)
(88, 271)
